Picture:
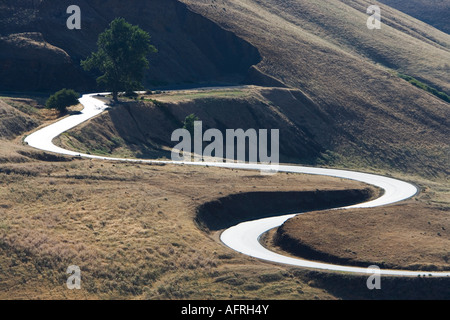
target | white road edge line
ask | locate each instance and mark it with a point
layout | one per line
(244, 237)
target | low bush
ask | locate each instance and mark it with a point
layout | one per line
(62, 99)
(423, 86)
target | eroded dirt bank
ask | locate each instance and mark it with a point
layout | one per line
(410, 236)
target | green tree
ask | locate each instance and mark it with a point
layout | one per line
(121, 57)
(62, 99)
(189, 123)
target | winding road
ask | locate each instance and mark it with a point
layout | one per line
(244, 237)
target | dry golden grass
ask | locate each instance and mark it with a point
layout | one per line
(433, 12)
(409, 236)
(143, 128)
(22, 113)
(372, 117)
(131, 227)
(197, 94)
(131, 230)
(301, 40)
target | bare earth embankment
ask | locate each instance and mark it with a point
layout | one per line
(409, 236)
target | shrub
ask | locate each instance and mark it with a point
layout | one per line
(62, 99)
(423, 86)
(189, 123)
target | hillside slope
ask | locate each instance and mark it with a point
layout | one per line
(433, 12)
(313, 39)
(14, 122)
(368, 115)
(191, 48)
(143, 129)
(325, 49)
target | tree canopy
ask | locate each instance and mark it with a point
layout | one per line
(189, 122)
(121, 57)
(62, 99)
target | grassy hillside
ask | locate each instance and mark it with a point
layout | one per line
(350, 73)
(132, 231)
(14, 122)
(433, 12)
(326, 39)
(410, 236)
(143, 129)
(191, 48)
(333, 89)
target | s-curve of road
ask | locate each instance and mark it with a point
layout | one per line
(244, 237)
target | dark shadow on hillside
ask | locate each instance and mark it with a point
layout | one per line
(229, 211)
(354, 287)
(39, 52)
